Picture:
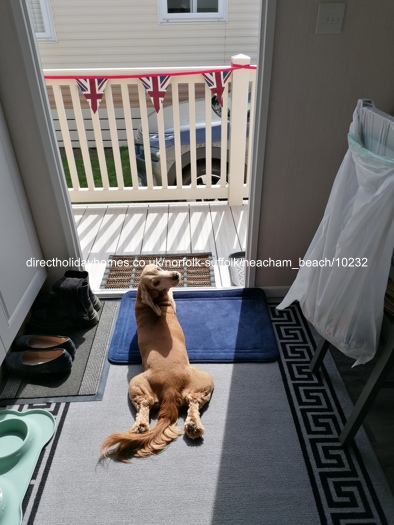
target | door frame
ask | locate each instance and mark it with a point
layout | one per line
(29, 120)
(32, 64)
(263, 84)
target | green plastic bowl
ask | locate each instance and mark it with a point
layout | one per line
(14, 436)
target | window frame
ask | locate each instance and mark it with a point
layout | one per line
(49, 35)
(191, 18)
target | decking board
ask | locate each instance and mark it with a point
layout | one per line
(167, 228)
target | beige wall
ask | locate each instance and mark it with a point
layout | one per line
(316, 81)
(127, 33)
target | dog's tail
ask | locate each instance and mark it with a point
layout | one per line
(123, 445)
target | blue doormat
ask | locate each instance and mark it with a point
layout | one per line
(220, 326)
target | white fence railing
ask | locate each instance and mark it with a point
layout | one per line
(126, 151)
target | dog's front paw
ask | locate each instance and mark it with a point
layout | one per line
(193, 430)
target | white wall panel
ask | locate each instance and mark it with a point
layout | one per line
(124, 33)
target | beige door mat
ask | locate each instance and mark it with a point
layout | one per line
(123, 271)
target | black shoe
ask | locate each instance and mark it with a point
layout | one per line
(74, 294)
(85, 275)
(36, 362)
(44, 343)
(68, 307)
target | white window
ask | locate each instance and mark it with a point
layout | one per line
(42, 20)
(192, 10)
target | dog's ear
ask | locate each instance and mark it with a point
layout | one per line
(146, 298)
(172, 300)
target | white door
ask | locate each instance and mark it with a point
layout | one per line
(20, 281)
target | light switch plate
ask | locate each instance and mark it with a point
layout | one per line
(330, 17)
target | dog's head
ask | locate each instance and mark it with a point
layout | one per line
(156, 282)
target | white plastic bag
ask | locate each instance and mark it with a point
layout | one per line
(342, 283)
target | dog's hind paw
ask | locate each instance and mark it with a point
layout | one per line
(139, 428)
(193, 430)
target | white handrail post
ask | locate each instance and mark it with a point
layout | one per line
(238, 132)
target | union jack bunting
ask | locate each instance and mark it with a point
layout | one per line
(216, 81)
(93, 90)
(156, 88)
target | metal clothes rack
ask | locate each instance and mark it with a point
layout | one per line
(378, 376)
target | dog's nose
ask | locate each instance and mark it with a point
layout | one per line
(176, 276)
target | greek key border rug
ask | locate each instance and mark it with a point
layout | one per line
(348, 484)
(342, 484)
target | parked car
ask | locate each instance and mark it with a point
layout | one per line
(216, 121)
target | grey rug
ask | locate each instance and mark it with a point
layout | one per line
(87, 378)
(270, 455)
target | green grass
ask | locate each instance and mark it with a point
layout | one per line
(110, 162)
